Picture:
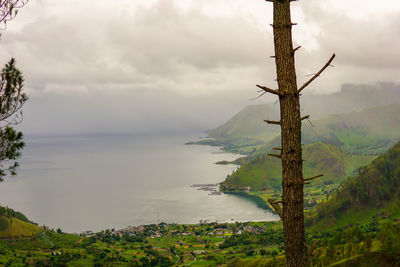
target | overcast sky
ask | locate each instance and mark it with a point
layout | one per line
(133, 64)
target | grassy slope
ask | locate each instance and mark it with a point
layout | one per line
(18, 229)
(373, 192)
(264, 172)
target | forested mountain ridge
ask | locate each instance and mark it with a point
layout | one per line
(375, 190)
(246, 132)
(370, 131)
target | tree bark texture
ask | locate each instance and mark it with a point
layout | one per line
(291, 155)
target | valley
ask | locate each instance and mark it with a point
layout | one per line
(352, 211)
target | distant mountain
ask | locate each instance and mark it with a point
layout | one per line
(246, 132)
(374, 192)
(264, 172)
(370, 131)
(351, 97)
(367, 132)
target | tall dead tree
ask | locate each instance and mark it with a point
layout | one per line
(292, 214)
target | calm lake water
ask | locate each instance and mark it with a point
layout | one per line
(98, 182)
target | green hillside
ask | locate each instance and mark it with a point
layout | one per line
(374, 192)
(15, 225)
(13, 228)
(370, 131)
(367, 131)
(246, 131)
(264, 172)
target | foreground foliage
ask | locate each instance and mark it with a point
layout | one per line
(12, 98)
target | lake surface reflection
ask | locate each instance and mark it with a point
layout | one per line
(97, 182)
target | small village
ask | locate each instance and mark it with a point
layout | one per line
(201, 229)
(206, 242)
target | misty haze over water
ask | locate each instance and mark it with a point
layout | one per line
(79, 181)
(95, 182)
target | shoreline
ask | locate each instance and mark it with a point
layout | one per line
(261, 203)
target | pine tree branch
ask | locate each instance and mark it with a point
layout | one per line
(262, 93)
(268, 90)
(314, 177)
(273, 122)
(317, 74)
(275, 155)
(276, 207)
(297, 48)
(305, 117)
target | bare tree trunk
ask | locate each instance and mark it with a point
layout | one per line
(292, 164)
(292, 215)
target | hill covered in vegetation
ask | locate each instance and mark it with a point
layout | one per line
(15, 225)
(374, 192)
(367, 132)
(370, 131)
(13, 228)
(264, 172)
(246, 133)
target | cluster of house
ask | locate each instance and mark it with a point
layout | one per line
(130, 230)
(159, 230)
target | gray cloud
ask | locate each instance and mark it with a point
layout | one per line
(100, 67)
(162, 38)
(366, 48)
(157, 46)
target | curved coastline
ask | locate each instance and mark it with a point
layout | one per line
(253, 198)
